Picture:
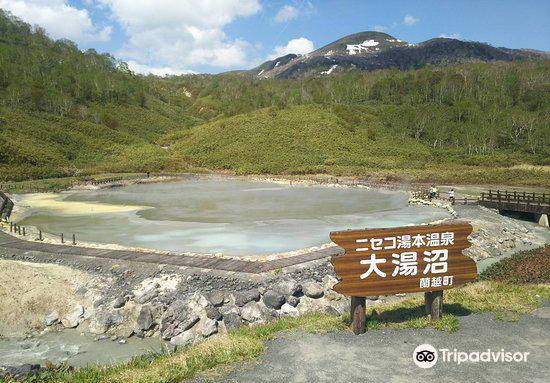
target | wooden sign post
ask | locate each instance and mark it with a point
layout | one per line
(408, 259)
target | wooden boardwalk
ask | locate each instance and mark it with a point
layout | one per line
(203, 262)
(536, 203)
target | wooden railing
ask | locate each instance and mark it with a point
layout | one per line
(538, 203)
(518, 197)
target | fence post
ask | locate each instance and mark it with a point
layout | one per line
(62, 239)
(74, 240)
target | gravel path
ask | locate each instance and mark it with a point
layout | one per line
(386, 356)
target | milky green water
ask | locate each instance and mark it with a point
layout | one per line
(232, 216)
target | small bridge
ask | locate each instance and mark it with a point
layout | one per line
(537, 204)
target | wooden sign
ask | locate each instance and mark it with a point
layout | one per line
(403, 259)
(408, 259)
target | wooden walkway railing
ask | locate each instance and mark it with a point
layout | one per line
(538, 203)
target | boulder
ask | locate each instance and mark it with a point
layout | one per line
(73, 318)
(288, 310)
(177, 318)
(119, 302)
(287, 287)
(217, 298)
(331, 311)
(328, 282)
(232, 321)
(273, 299)
(145, 318)
(242, 298)
(184, 339)
(103, 321)
(292, 300)
(149, 292)
(209, 327)
(313, 290)
(51, 318)
(251, 312)
(213, 313)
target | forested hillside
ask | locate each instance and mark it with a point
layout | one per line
(67, 112)
(64, 112)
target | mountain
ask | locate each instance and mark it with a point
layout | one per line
(377, 50)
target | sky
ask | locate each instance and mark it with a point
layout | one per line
(212, 36)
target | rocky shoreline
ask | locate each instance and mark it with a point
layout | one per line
(182, 305)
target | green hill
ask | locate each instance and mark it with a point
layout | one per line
(65, 112)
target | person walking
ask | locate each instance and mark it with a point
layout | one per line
(452, 196)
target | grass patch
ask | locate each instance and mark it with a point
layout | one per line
(532, 266)
(506, 301)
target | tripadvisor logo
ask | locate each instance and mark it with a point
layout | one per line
(426, 356)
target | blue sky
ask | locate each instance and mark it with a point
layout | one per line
(177, 36)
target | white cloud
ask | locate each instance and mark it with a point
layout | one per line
(298, 46)
(286, 13)
(451, 36)
(59, 19)
(182, 33)
(156, 70)
(410, 20)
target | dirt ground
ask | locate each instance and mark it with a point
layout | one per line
(39, 287)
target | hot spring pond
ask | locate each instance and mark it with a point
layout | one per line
(216, 214)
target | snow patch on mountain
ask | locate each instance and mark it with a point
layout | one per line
(330, 70)
(353, 49)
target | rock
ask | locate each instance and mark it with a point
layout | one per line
(213, 313)
(103, 321)
(288, 310)
(51, 318)
(217, 298)
(149, 292)
(119, 302)
(74, 318)
(232, 321)
(198, 302)
(81, 291)
(313, 290)
(122, 341)
(293, 301)
(372, 298)
(184, 339)
(251, 312)
(262, 290)
(209, 327)
(273, 299)
(331, 311)
(328, 282)
(145, 318)
(177, 318)
(248, 296)
(22, 372)
(287, 287)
